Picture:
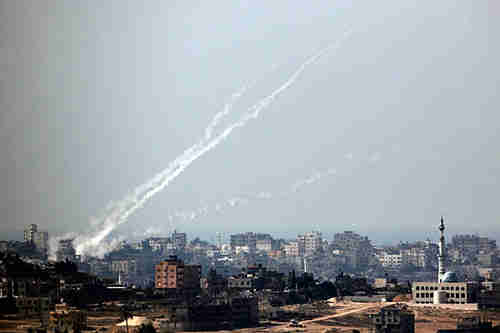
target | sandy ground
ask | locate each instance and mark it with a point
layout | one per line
(343, 318)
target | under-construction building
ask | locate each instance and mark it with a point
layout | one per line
(394, 319)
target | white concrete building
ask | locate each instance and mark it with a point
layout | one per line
(392, 260)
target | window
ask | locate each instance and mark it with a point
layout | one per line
(418, 295)
(463, 295)
(463, 288)
(418, 288)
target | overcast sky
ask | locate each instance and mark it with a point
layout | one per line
(96, 97)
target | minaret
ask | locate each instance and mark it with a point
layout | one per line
(441, 256)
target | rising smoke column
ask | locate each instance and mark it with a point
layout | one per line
(118, 212)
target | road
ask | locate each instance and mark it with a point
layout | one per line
(346, 313)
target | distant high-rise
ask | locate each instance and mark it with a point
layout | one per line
(179, 240)
(41, 241)
(65, 250)
(29, 231)
(247, 240)
(219, 239)
(356, 248)
(309, 243)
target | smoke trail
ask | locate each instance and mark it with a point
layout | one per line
(120, 211)
(236, 201)
(314, 178)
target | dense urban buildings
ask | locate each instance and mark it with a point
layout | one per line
(231, 276)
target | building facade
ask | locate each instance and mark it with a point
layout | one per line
(29, 230)
(65, 250)
(41, 241)
(391, 260)
(247, 239)
(309, 243)
(291, 249)
(394, 320)
(454, 292)
(356, 248)
(174, 277)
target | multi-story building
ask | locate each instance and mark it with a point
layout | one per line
(394, 320)
(179, 240)
(393, 260)
(29, 231)
(488, 259)
(248, 239)
(356, 248)
(239, 282)
(65, 250)
(309, 243)
(173, 277)
(264, 242)
(32, 305)
(471, 245)
(41, 241)
(291, 249)
(158, 244)
(100, 267)
(220, 239)
(413, 256)
(66, 319)
(126, 268)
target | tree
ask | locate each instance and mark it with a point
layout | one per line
(146, 328)
(125, 315)
(292, 280)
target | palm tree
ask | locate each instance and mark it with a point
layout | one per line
(125, 315)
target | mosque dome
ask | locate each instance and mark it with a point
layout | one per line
(450, 277)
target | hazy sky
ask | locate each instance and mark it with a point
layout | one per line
(96, 97)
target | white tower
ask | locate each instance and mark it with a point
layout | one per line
(442, 255)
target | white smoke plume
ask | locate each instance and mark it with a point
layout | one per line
(204, 210)
(187, 216)
(118, 212)
(314, 178)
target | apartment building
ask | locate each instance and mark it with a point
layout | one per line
(247, 239)
(356, 248)
(174, 277)
(394, 260)
(291, 249)
(309, 243)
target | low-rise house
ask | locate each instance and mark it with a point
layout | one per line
(394, 319)
(239, 282)
(30, 306)
(66, 319)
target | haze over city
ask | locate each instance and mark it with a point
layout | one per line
(391, 123)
